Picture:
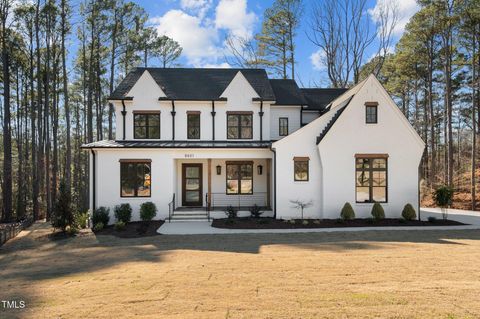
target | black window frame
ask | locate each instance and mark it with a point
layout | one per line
(282, 127)
(189, 115)
(371, 170)
(371, 117)
(298, 161)
(135, 188)
(146, 126)
(239, 125)
(239, 178)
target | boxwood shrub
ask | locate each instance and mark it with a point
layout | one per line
(408, 212)
(148, 210)
(123, 213)
(347, 212)
(101, 215)
(377, 211)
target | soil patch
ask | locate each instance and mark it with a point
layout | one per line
(133, 229)
(270, 223)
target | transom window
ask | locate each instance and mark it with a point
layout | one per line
(371, 179)
(193, 125)
(239, 126)
(371, 110)
(135, 178)
(239, 178)
(283, 126)
(146, 125)
(300, 166)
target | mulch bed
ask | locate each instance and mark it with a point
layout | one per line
(133, 230)
(270, 223)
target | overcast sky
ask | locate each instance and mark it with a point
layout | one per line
(200, 27)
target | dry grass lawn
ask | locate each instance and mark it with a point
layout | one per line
(397, 274)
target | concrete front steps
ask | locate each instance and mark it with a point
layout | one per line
(189, 216)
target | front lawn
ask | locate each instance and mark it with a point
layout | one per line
(270, 223)
(371, 274)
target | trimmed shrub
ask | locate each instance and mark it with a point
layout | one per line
(101, 215)
(98, 226)
(443, 196)
(119, 226)
(432, 219)
(408, 212)
(377, 211)
(123, 213)
(347, 212)
(63, 216)
(255, 211)
(231, 212)
(148, 210)
(81, 220)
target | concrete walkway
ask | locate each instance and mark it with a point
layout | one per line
(205, 228)
(462, 216)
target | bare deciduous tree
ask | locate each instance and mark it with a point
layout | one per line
(343, 32)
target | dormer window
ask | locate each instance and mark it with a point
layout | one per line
(146, 125)
(371, 111)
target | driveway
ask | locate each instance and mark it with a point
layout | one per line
(463, 216)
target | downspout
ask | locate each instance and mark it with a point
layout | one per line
(301, 115)
(274, 182)
(93, 180)
(261, 119)
(173, 120)
(213, 120)
(124, 114)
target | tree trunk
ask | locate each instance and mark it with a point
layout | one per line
(7, 138)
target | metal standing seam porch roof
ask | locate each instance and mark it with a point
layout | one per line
(177, 144)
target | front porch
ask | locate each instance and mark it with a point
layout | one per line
(205, 188)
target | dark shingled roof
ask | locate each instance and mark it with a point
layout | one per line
(287, 92)
(334, 118)
(177, 144)
(196, 84)
(319, 98)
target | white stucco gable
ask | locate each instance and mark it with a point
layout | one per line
(332, 173)
(146, 87)
(239, 91)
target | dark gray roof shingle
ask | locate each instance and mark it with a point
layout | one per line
(287, 92)
(319, 98)
(196, 84)
(334, 118)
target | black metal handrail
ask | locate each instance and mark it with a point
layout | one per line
(207, 206)
(222, 200)
(171, 208)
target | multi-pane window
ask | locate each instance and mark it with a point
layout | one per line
(193, 125)
(371, 179)
(283, 126)
(239, 178)
(300, 167)
(135, 178)
(146, 125)
(239, 126)
(371, 110)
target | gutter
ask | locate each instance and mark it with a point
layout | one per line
(274, 182)
(124, 113)
(93, 180)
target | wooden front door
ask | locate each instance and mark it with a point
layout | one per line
(192, 185)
